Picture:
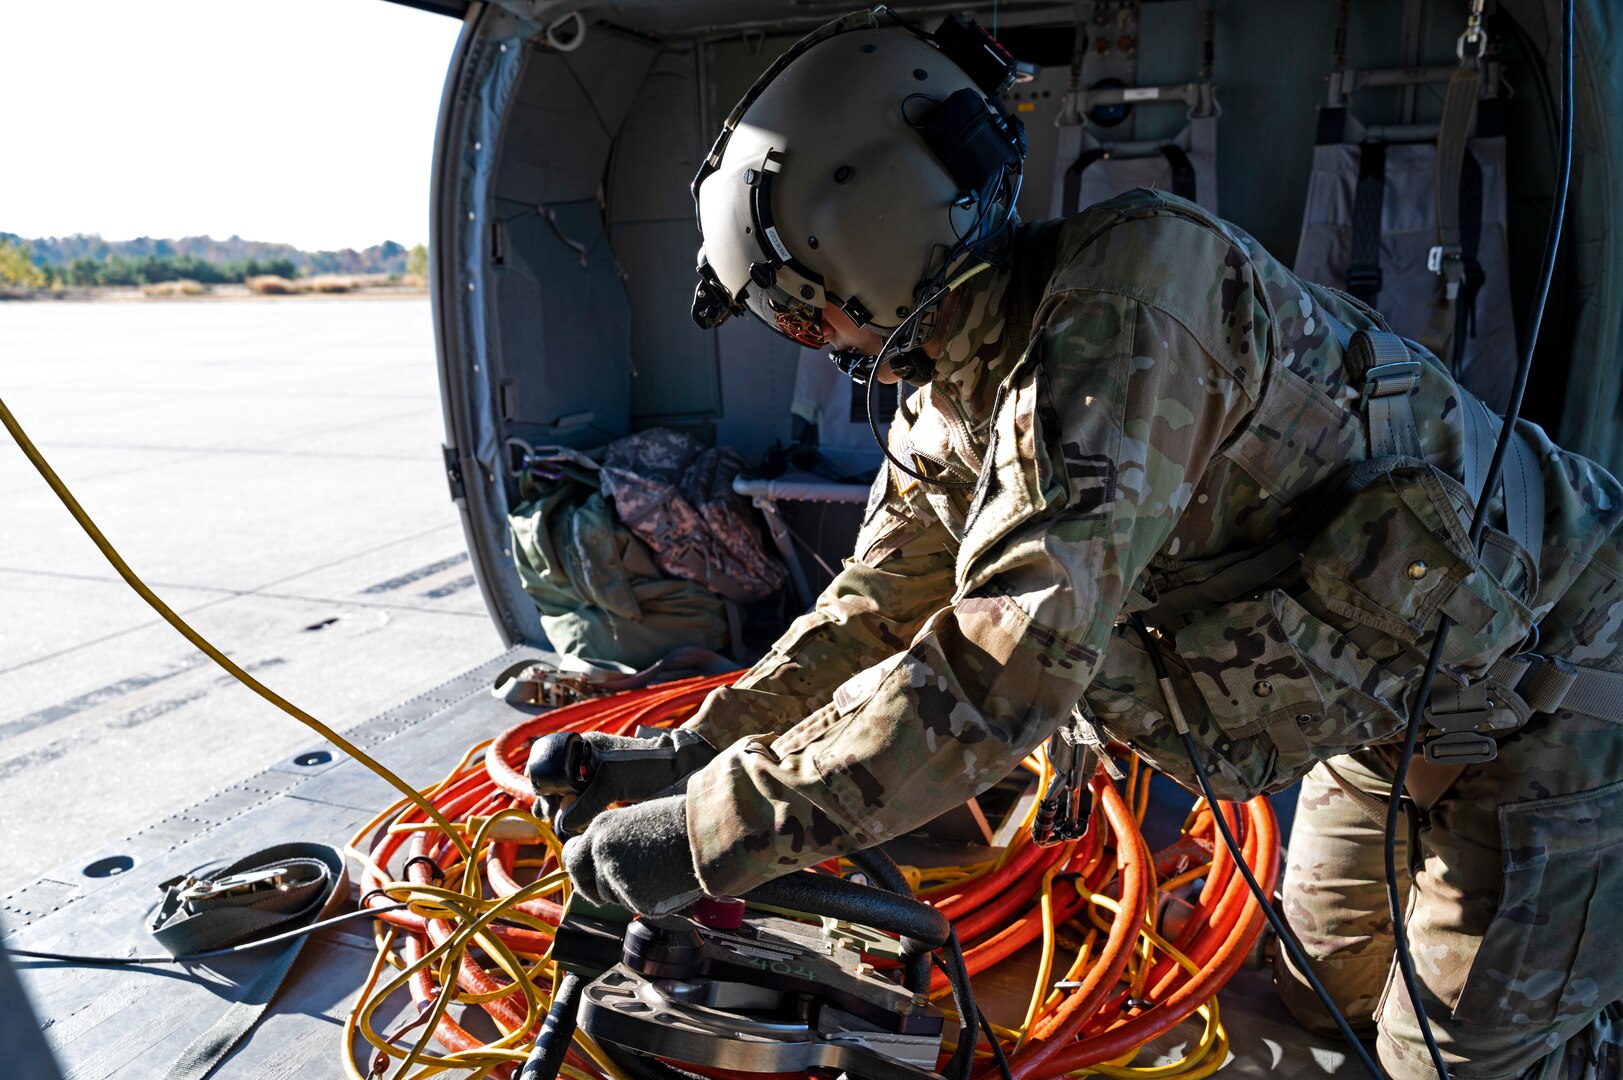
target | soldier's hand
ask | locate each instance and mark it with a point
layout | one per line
(638, 857)
(606, 769)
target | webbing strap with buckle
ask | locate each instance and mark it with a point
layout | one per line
(266, 892)
(1391, 377)
(1459, 114)
(1551, 684)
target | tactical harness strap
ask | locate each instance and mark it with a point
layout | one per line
(1390, 380)
(1466, 717)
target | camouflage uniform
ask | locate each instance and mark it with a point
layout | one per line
(1182, 400)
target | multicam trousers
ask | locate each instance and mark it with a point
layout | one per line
(1513, 906)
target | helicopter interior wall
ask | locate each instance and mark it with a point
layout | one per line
(562, 360)
(622, 118)
(594, 253)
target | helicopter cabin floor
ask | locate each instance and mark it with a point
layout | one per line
(133, 1022)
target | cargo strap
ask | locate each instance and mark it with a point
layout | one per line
(264, 893)
(1454, 255)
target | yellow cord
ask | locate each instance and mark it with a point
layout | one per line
(184, 628)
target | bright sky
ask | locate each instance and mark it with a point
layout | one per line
(309, 122)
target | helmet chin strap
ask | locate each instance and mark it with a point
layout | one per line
(908, 361)
(854, 363)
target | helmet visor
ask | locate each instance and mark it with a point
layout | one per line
(794, 318)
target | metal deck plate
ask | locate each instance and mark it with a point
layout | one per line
(133, 1023)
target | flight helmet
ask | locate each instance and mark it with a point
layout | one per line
(868, 167)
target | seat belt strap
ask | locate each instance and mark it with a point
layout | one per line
(1447, 255)
(1472, 275)
(1369, 198)
(1183, 172)
(1073, 178)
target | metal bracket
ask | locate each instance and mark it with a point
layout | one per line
(453, 473)
(252, 881)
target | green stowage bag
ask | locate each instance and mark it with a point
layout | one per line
(600, 593)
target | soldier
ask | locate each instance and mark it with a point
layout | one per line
(1139, 410)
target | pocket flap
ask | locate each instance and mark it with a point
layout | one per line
(1396, 557)
(1248, 673)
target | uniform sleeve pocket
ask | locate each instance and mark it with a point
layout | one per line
(1550, 953)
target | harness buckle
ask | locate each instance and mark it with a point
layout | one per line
(1364, 279)
(250, 881)
(1397, 377)
(1461, 748)
(1473, 707)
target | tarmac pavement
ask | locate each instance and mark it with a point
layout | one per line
(272, 469)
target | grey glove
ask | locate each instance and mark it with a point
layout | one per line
(638, 857)
(625, 770)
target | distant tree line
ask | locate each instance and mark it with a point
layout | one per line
(153, 269)
(89, 260)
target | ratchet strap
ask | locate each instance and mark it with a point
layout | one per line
(562, 680)
(270, 891)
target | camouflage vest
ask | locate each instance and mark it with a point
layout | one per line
(1317, 652)
(1312, 645)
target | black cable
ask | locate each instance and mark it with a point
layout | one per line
(873, 426)
(922, 928)
(1479, 521)
(553, 1042)
(1287, 936)
(962, 1062)
(986, 1024)
(275, 939)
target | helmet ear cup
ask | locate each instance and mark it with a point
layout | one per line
(972, 141)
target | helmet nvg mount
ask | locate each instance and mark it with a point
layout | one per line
(867, 168)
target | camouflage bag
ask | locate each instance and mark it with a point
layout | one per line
(678, 498)
(1326, 658)
(595, 585)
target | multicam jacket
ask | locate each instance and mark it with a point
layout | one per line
(1164, 398)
